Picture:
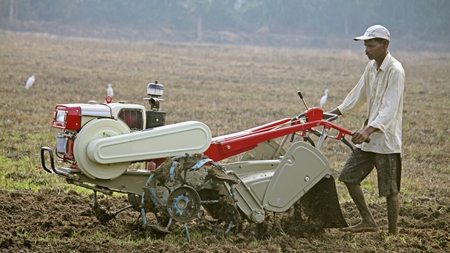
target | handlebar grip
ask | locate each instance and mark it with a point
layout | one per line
(329, 116)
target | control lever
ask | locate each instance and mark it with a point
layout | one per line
(293, 134)
(308, 139)
(348, 144)
(299, 93)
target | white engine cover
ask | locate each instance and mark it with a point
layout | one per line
(160, 142)
(99, 129)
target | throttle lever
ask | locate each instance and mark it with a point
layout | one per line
(299, 93)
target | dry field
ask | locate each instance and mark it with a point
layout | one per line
(229, 89)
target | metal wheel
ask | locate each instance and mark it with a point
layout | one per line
(183, 204)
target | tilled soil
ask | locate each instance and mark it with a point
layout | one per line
(53, 221)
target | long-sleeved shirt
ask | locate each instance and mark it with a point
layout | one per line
(382, 92)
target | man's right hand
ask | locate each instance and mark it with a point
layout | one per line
(361, 136)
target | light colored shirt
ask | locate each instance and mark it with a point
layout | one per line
(382, 92)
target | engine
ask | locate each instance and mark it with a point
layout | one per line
(103, 139)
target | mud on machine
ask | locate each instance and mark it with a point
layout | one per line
(185, 176)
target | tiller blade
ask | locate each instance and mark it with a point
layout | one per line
(321, 204)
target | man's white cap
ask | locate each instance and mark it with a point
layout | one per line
(375, 31)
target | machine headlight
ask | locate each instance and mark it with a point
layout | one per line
(67, 117)
(61, 116)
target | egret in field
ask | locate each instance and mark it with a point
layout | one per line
(30, 82)
(109, 91)
(324, 99)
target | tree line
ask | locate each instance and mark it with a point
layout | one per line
(426, 20)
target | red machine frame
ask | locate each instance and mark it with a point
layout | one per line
(229, 145)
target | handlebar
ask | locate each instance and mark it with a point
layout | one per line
(313, 114)
(322, 119)
(331, 116)
(232, 144)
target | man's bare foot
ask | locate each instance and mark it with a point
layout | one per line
(361, 228)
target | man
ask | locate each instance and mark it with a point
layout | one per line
(381, 89)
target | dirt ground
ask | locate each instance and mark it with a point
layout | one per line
(229, 89)
(67, 218)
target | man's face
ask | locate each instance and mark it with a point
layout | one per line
(375, 49)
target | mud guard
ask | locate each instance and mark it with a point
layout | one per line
(321, 204)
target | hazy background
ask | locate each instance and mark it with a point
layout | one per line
(415, 25)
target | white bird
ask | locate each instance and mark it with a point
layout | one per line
(324, 99)
(109, 91)
(30, 82)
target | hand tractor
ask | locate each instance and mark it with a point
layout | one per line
(185, 176)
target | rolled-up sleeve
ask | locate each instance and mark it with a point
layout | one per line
(356, 98)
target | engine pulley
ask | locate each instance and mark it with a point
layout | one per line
(94, 130)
